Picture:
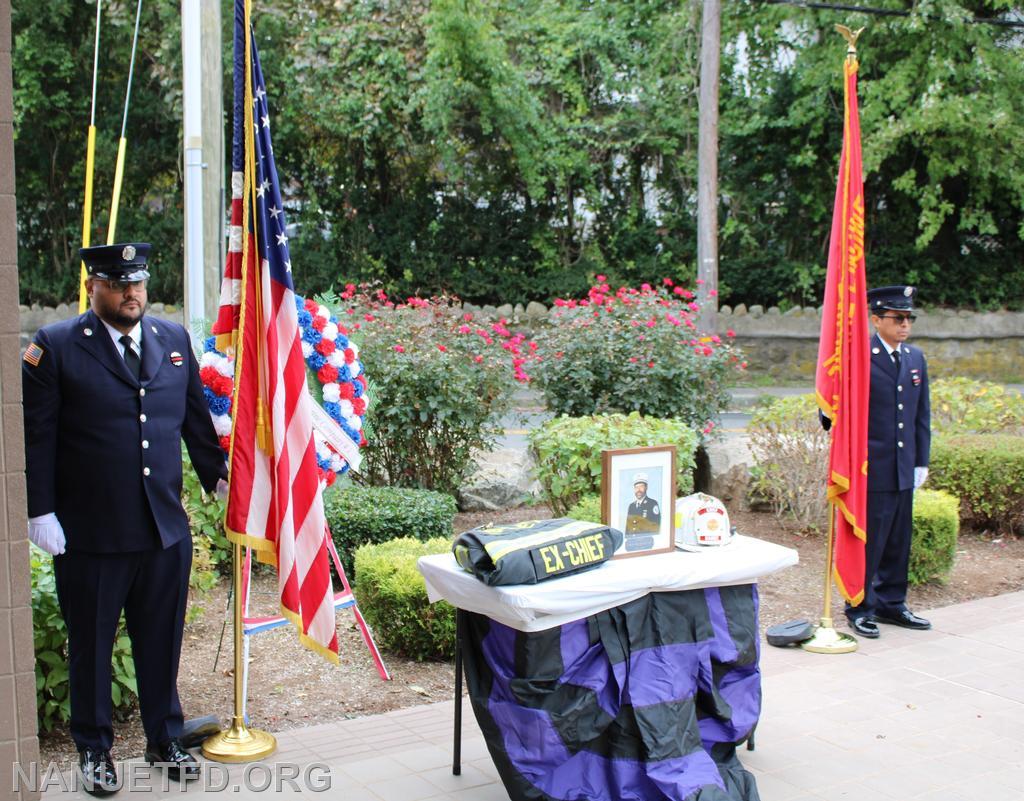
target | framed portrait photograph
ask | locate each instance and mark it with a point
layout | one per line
(638, 491)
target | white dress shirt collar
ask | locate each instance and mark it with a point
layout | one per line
(135, 334)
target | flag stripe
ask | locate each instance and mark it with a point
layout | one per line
(275, 500)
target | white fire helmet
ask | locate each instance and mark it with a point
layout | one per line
(701, 521)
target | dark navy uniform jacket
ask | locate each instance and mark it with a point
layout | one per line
(103, 449)
(899, 422)
(643, 516)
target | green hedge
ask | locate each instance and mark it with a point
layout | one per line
(568, 451)
(393, 597)
(53, 699)
(936, 528)
(986, 472)
(588, 509)
(966, 406)
(361, 515)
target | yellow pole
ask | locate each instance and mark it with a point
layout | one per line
(90, 160)
(90, 153)
(116, 199)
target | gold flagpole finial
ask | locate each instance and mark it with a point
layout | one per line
(851, 39)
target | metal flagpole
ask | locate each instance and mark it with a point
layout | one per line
(123, 144)
(240, 743)
(826, 640)
(90, 158)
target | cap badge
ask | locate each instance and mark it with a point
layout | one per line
(128, 253)
(177, 359)
(908, 291)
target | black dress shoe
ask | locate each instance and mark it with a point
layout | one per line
(98, 774)
(905, 618)
(180, 764)
(865, 627)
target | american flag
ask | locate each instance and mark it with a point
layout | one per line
(275, 502)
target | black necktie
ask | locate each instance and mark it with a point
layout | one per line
(896, 359)
(131, 358)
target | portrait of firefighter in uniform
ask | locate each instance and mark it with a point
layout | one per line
(644, 514)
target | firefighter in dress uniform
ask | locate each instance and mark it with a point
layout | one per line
(643, 515)
(899, 440)
(109, 396)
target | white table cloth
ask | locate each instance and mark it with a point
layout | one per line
(535, 607)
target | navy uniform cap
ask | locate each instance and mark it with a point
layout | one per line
(896, 298)
(124, 262)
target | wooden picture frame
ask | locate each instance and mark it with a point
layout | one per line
(645, 515)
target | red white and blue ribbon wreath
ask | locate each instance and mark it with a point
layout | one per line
(330, 356)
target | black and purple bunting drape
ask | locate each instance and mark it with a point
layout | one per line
(643, 702)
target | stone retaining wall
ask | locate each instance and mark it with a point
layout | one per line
(780, 345)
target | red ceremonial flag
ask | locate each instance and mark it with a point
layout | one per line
(844, 363)
(275, 502)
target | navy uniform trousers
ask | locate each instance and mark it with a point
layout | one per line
(152, 589)
(103, 452)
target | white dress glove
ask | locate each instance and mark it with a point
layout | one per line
(920, 476)
(222, 489)
(46, 532)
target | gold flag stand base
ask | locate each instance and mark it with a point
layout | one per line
(826, 640)
(239, 744)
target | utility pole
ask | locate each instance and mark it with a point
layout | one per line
(707, 166)
(203, 157)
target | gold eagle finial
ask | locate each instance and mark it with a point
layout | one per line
(851, 38)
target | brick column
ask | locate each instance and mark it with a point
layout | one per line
(18, 742)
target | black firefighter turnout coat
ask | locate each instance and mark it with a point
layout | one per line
(102, 448)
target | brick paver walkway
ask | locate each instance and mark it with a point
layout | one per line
(935, 715)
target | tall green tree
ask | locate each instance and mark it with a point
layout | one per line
(52, 62)
(940, 101)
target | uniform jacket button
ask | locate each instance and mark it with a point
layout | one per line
(900, 443)
(145, 443)
(145, 470)
(142, 392)
(142, 417)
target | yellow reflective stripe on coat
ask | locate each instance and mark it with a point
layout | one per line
(497, 550)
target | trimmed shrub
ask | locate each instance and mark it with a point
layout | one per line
(634, 350)
(791, 460)
(936, 528)
(365, 515)
(393, 596)
(440, 383)
(986, 472)
(53, 691)
(588, 509)
(965, 406)
(568, 452)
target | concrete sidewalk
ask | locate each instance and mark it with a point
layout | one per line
(935, 715)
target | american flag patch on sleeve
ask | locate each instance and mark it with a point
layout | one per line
(33, 353)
